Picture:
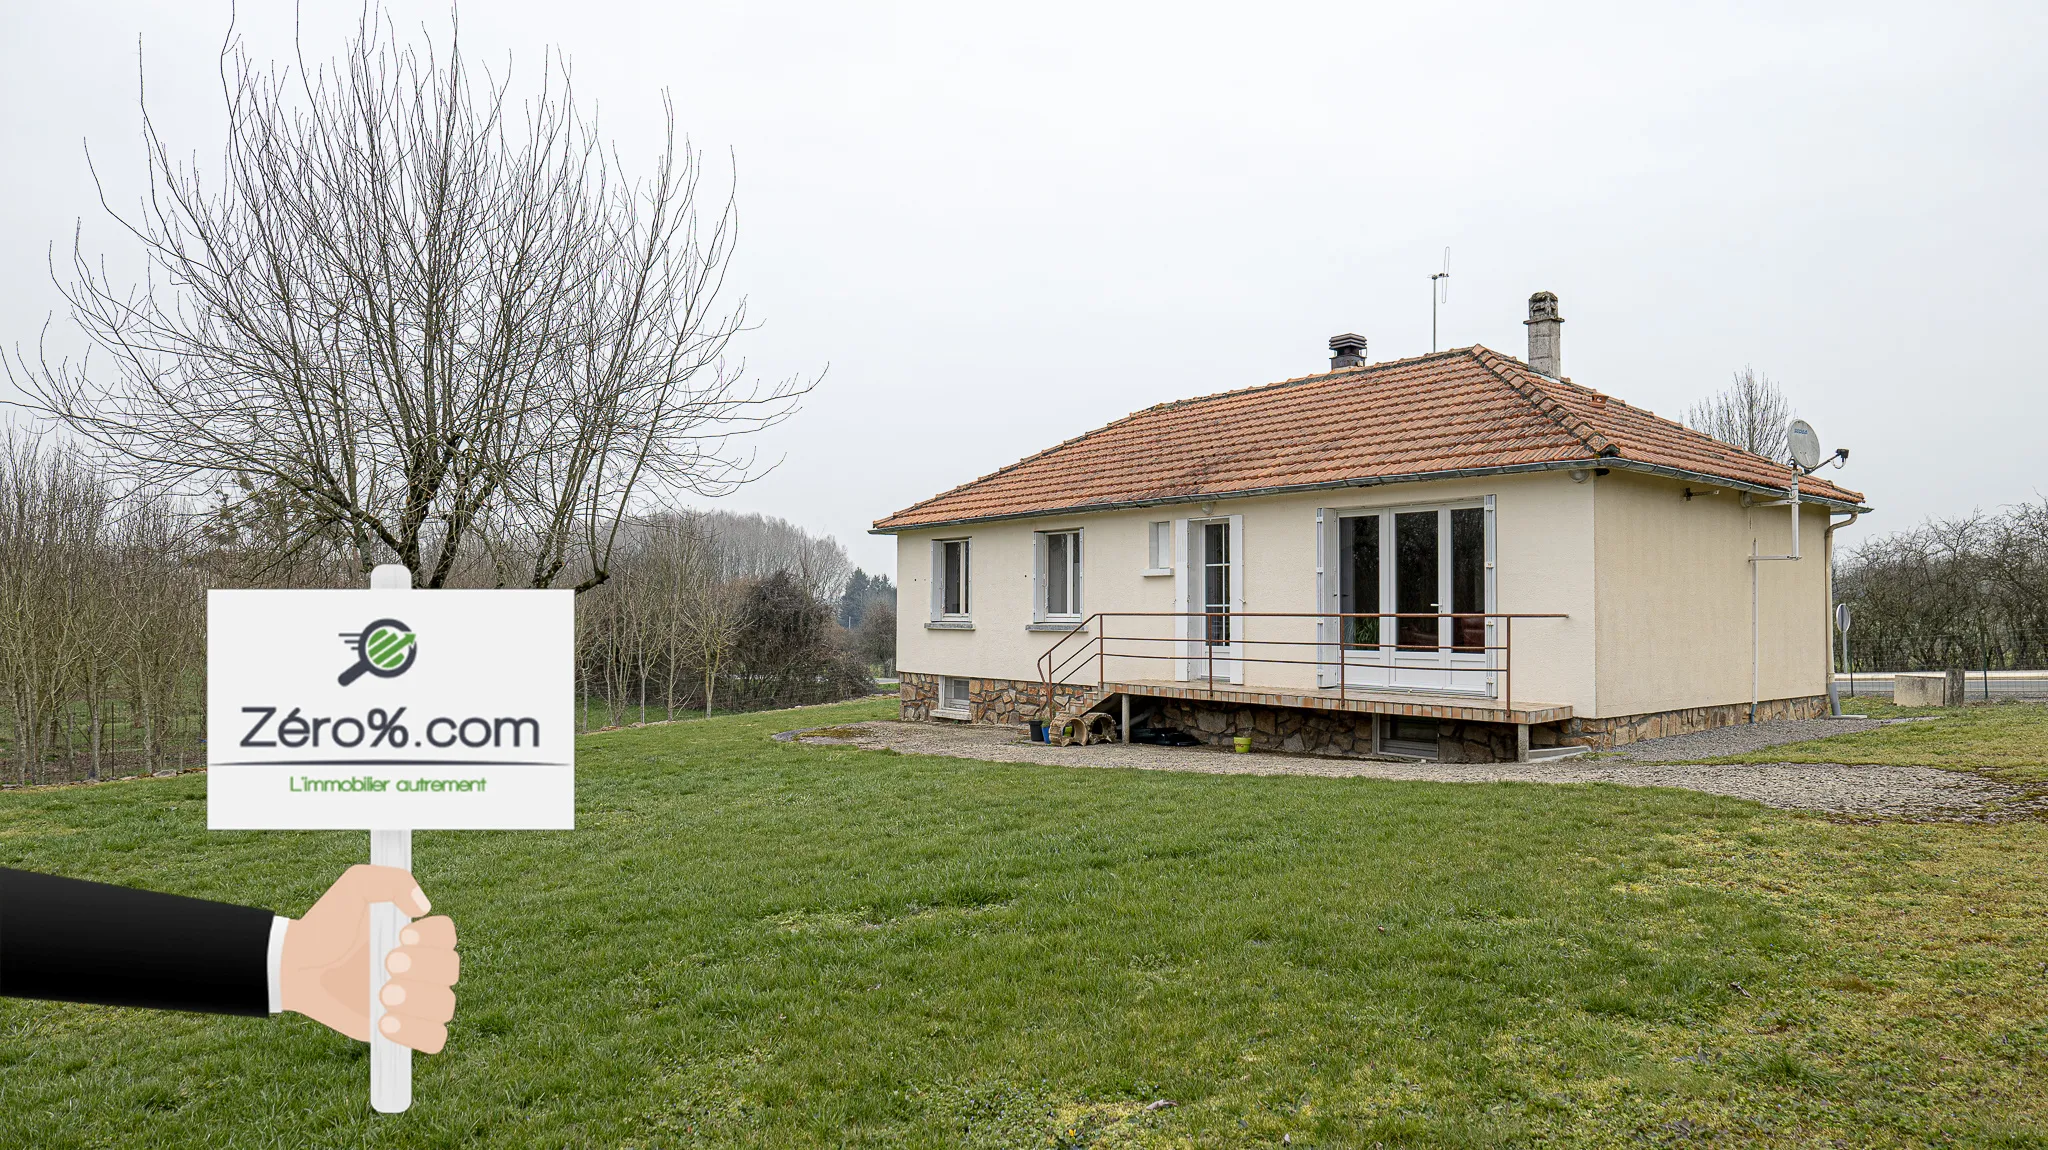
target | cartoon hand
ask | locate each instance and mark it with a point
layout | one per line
(325, 974)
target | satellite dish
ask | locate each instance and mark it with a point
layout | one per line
(1805, 445)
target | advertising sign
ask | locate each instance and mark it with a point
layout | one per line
(390, 710)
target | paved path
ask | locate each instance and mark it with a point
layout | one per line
(1921, 793)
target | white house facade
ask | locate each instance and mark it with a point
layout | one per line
(1458, 556)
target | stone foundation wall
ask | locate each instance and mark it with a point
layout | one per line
(988, 700)
(917, 695)
(1292, 730)
(1620, 730)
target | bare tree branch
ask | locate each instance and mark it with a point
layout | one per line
(438, 322)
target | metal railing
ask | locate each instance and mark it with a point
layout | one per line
(1054, 668)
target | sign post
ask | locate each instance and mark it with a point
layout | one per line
(445, 711)
(1843, 618)
(390, 1062)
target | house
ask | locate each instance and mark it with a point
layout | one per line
(1460, 556)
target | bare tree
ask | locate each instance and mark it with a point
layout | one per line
(754, 546)
(876, 635)
(435, 320)
(1967, 591)
(1752, 415)
(715, 616)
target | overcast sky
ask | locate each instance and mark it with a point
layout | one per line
(1003, 225)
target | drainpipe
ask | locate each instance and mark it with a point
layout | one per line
(1755, 624)
(1827, 632)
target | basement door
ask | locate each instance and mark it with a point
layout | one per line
(1408, 561)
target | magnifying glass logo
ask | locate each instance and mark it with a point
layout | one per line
(385, 649)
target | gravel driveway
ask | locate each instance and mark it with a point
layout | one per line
(1919, 793)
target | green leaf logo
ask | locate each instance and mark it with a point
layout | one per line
(386, 648)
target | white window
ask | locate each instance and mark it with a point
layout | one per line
(951, 579)
(1059, 575)
(1159, 552)
(954, 696)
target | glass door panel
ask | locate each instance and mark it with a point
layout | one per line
(1415, 579)
(1468, 577)
(1358, 559)
(1216, 581)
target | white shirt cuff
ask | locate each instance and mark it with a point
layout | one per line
(274, 962)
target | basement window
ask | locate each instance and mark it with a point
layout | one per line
(1415, 738)
(955, 697)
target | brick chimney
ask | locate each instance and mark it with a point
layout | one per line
(1544, 324)
(1347, 350)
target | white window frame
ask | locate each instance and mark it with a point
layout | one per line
(939, 614)
(1159, 548)
(1042, 576)
(946, 708)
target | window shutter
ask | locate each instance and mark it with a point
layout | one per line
(1237, 562)
(1038, 577)
(1326, 672)
(1493, 630)
(1183, 547)
(1080, 561)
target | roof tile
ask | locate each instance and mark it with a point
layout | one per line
(1451, 411)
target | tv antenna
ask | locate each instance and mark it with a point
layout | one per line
(1439, 292)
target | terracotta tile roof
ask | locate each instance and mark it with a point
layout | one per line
(1454, 411)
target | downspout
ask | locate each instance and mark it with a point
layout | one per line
(1755, 623)
(1827, 633)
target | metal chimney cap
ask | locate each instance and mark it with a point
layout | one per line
(1347, 350)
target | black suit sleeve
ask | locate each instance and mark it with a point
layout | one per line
(77, 941)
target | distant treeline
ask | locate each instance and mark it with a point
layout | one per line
(103, 611)
(1969, 592)
(720, 611)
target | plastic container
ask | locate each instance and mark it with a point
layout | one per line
(1038, 730)
(1241, 745)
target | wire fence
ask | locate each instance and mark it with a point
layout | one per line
(1997, 662)
(177, 741)
(1977, 685)
(1882, 650)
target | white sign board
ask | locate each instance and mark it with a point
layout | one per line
(393, 710)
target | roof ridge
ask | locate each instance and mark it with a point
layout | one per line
(1543, 401)
(1358, 369)
(1171, 405)
(1674, 425)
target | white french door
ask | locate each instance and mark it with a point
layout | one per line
(1424, 560)
(1213, 586)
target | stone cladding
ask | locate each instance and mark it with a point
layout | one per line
(1620, 730)
(1294, 730)
(988, 700)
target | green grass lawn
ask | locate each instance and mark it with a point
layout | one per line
(2009, 740)
(757, 944)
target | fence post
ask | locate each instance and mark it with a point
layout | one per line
(1507, 658)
